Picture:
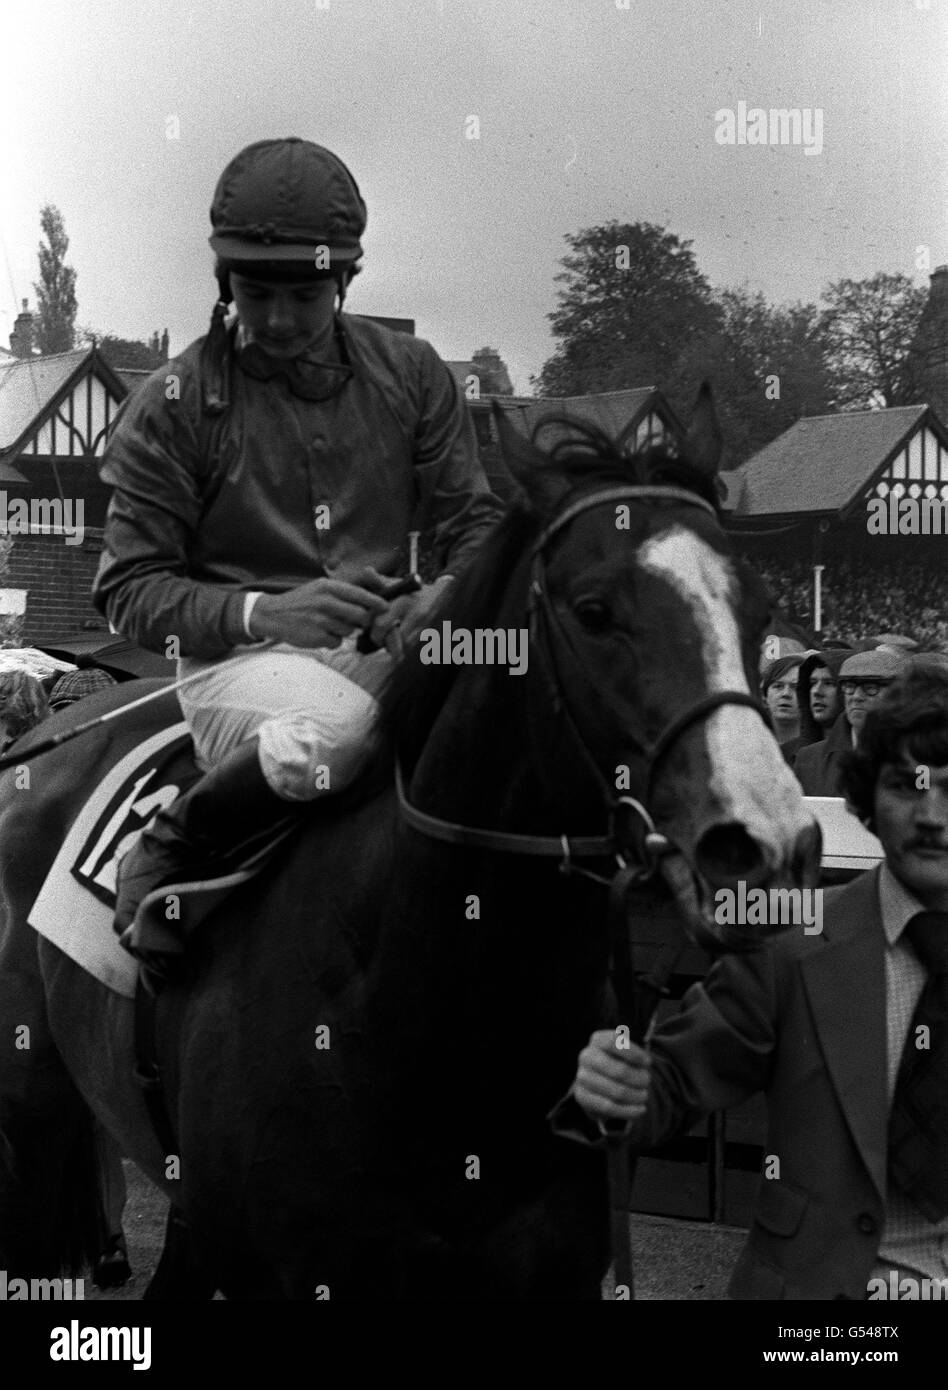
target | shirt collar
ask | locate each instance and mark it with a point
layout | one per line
(896, 904)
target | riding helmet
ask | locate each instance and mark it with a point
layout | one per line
(278, 200)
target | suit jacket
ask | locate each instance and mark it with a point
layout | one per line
(817, 765)
(804, 1021)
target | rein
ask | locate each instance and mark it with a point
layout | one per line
(648, 844)
(637, 995)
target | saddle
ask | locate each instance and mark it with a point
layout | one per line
(75, 907)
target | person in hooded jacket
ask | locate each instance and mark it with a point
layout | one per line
(818, 697)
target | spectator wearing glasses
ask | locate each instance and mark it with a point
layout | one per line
(863, 677)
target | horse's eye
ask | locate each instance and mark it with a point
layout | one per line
(594, 614)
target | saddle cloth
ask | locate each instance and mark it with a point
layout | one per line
(75, 907)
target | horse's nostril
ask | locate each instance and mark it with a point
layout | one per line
(727, 853)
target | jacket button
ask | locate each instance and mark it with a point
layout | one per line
(867, 1223)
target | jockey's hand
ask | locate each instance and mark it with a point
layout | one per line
(612, 1082)
(322, 612)
(410, 611)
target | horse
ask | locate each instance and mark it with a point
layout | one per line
(361, 1053)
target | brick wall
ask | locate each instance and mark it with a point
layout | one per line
(58, 579)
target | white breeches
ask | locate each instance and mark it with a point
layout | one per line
(315, 712)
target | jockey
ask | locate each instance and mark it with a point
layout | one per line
(264, 488)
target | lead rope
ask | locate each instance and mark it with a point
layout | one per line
(637, 997)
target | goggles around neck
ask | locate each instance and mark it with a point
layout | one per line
(306, 376)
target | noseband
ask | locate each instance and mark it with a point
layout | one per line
(641, 849)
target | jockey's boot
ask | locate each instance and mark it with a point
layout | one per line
(231, 805)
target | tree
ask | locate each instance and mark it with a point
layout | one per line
(491, 372)
(129, 352)
(633, 303)
(56, 290)
(870, 326)
(769, 367)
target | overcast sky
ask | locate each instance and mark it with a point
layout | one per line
(587, 112)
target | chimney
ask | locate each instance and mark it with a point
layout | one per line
(21, 339)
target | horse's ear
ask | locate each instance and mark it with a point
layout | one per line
(704, 440)
(528, 465)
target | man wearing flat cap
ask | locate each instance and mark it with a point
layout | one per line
(862, 679)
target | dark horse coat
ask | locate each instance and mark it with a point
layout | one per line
(360, 1061)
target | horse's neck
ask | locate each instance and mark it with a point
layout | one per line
(475, 764)
(501, 756)
(480, 945)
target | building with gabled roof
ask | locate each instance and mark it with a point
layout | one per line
(633, 418)
(829, 465)
(629, 417)
(54, 414)
(809, 503)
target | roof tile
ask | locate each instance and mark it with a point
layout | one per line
(820, 463)
(26, 387)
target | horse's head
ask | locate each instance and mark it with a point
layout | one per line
(645, 630)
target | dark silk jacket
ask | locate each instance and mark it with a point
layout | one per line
(193, 524)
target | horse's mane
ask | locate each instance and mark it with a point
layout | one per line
(586, 452)
(588, 458)
(416, 693)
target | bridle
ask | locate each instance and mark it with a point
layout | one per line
(638, 852)
(637, 858)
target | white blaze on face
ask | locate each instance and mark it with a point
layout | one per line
(750, 783)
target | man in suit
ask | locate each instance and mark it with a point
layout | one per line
(843, 1031)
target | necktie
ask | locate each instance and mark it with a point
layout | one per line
(918, 1126)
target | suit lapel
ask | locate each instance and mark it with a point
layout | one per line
(845, 984)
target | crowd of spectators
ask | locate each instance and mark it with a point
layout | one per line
(26, 698)
(859, 600)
